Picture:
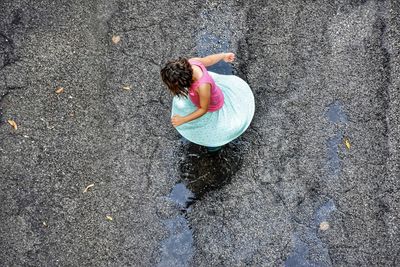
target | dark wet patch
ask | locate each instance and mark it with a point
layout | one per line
(203, 172)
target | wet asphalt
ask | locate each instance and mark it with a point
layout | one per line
(314, 181)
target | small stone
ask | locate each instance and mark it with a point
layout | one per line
(116, 39)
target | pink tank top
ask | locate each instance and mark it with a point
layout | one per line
(217, 97)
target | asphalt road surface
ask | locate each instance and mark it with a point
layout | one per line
(314, 181)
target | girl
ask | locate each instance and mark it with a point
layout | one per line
(208, 109)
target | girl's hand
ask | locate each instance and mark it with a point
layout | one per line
(229, 57)
(177, 120)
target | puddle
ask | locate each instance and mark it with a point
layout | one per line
(298, 258)
(336, 115)
(203, 172)
(333, 153)
(209, 43)
(182, 196)
(309, 250)
(177, 249)
(323, 213)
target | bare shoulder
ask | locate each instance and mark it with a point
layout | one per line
(204, 88)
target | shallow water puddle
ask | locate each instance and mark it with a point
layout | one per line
(201, 172)
(177, 249)
(182, 196)
(209, 43)
(336, 115)
(309, 250)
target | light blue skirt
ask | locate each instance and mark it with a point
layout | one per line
(224, 125)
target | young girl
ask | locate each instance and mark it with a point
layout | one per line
(208, 109)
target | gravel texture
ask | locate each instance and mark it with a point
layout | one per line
(313, 182)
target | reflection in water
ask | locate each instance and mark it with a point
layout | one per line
(210, 44)
(177, 249)
(322, 214)
(298, 258)
(201, 172)
(333, 153)
(336, 115)
(182, 196)
(309, 250)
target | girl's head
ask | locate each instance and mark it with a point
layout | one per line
(177, 75)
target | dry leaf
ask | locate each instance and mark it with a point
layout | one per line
(109, 218)
(116, 39)
(13, 124)
(324, 226)
(87, 188)
(59, 90)
(126, 87)
(347, 143)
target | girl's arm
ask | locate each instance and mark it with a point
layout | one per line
(212, 59)
(204, 95)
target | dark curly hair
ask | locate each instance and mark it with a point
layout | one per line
(177, 75)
